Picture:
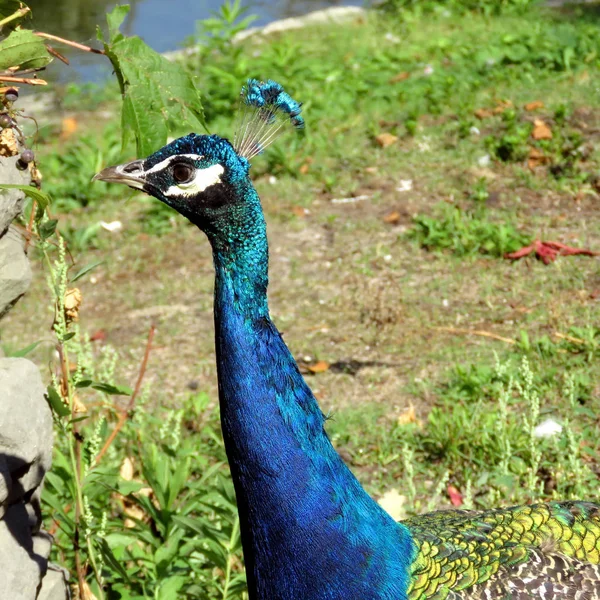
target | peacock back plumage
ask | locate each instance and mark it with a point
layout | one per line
(547, 551)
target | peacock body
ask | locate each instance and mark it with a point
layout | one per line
(309, 529)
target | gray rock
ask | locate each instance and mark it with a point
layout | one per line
(54, 585)
(22, 568)
(15, 272)
(25, 426)
(11, 201)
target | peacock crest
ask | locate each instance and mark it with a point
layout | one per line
(265, 111)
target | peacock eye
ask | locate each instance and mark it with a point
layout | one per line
(182, 172)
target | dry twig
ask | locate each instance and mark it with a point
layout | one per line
(480, 332)
(124, 413)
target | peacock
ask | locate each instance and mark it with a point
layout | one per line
(309, 530)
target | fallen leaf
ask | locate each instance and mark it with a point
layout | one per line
(541, 131)
(386, 139)
(547, 252)
(393, 503)
(304, 169)
(408, 416)
(98, 336)
(536, 158)
(370, 169)
(127, 469)
(483, 113)
(501, 106)
(78, 405)
(87, 593)
(535, 105)
(73, 300)
(455, 496)
(319, 367)
(400, 77)
(299, 211)
(69, 126)
(392, 218)
(135, 513)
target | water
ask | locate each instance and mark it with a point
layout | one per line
(163, 24)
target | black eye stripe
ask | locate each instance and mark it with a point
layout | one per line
(182, 172)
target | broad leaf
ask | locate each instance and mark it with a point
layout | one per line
(85, 270)
(158, 96)
(25, 351)
(47, 228)
(42, 199)
(112, 390)
(60, 408)
(23, 49)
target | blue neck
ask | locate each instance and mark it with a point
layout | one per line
(309, 530)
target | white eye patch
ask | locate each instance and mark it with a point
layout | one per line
(163, 164)
(203, 179)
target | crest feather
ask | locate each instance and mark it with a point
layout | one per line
(265, 110)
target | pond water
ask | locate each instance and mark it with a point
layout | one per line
(163, 24)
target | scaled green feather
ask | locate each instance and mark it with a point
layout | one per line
(469, 554)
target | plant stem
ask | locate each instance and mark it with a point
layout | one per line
(232, 541)
(30, 81)
(16, 15)
(125, 413)
(55, 38)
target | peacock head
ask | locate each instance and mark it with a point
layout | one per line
(203, 176)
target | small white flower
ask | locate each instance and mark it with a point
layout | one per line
(424, 145)
(428, 70)
(484, 161)
(546, 429)
(272, 179)
(390, 37)
(405, 185)
(474, 130)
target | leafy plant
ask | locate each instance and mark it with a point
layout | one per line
(466, 233)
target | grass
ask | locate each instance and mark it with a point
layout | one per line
(442, 355)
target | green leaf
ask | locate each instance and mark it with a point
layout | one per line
(68, 336)
(47, 228)
(84, 383)
(115, 19)
(110, 559)
(169, 588)
(85, 270)
(129, 487)
(158, 96)
(25, 351)
(42, 199)
(23, 49)
(59, 407)
(113, 390)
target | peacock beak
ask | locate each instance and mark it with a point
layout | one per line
(131, 174)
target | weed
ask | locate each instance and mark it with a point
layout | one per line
(466, 233)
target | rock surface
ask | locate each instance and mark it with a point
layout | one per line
(11, 201)
(25, 457)
(15, 272)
